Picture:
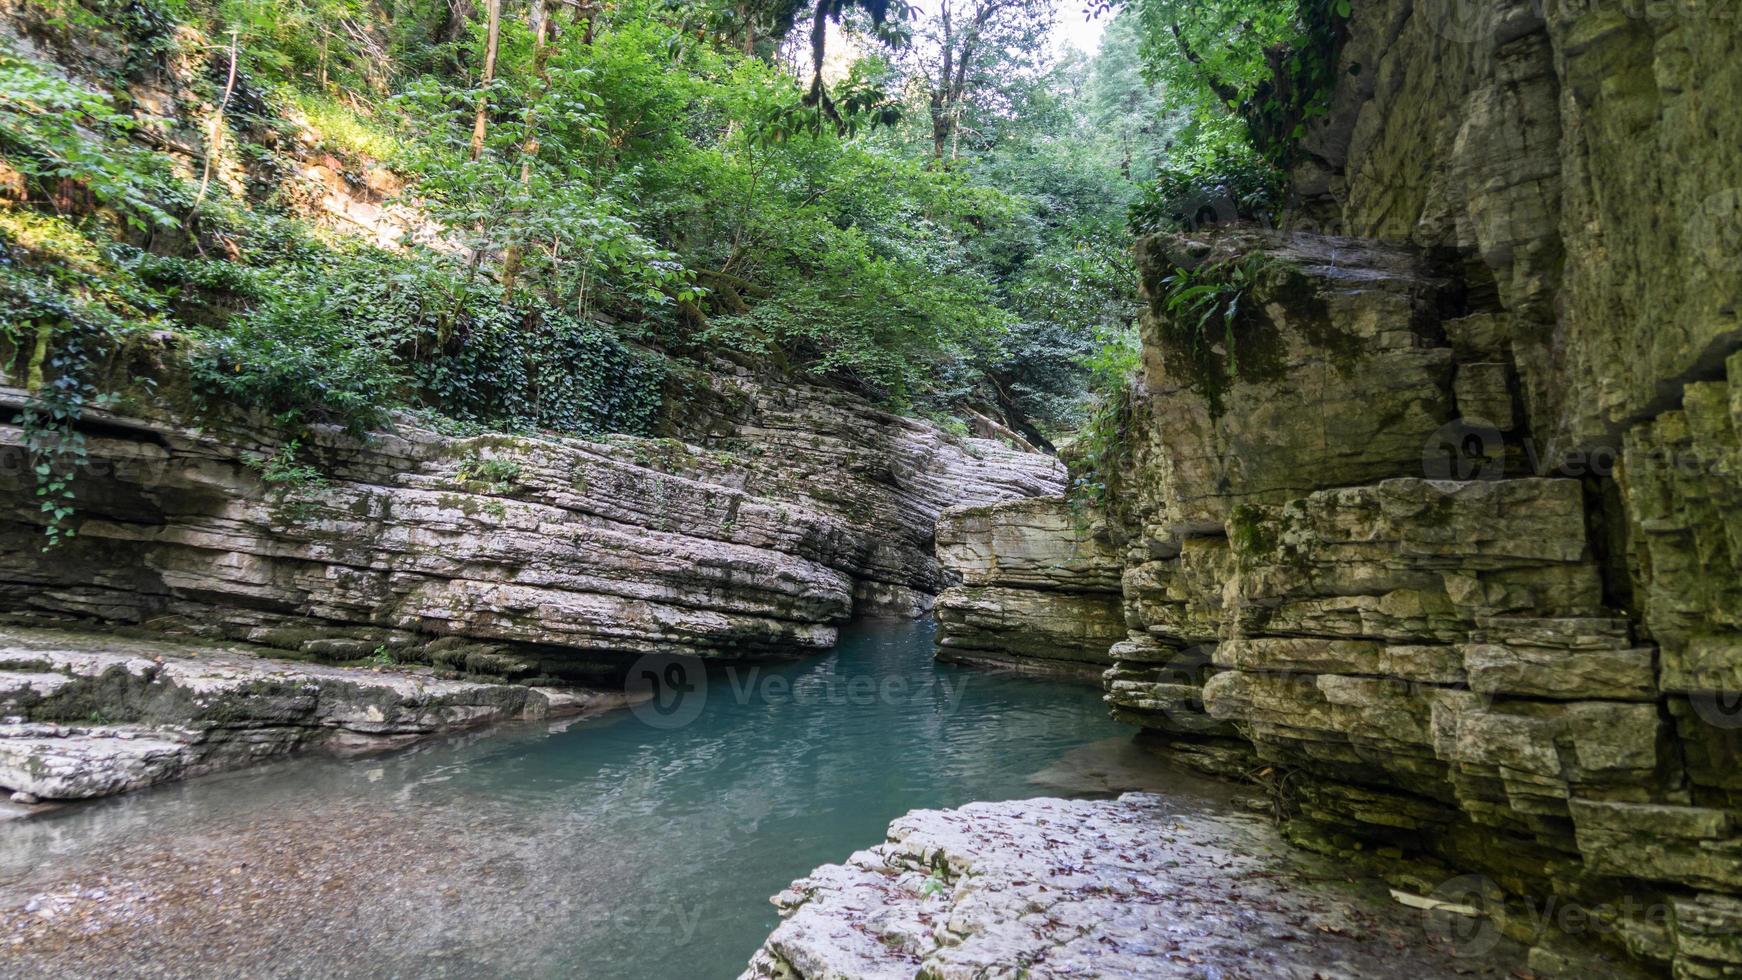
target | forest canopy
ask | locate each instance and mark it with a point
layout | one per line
(928, 202)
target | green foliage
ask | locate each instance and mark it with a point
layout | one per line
(284, 470)
(1302, 76)
(1255, 537)
(1227, 41)
(53, 130)
(1059, 151)
(1209, 331)
(143, 31)
(532, 366)
(566, 204)
(1213, 176)
(1102, 448)
(296, 485)
(56, 449)
(58, 314)
(305, 353)
(344, 128)
(861, 306)
(499, 474)
(651, 188)
(1252, 76)
(344, 335)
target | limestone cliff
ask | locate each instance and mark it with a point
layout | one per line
(1039, 591)
(1442, 533)
(790, 508)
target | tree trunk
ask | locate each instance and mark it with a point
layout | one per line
(940, 126)
(493, 32)
(940, 99)
(511, 257)
(215, 138)
(38, 356)
(454, 27)
(819, 35)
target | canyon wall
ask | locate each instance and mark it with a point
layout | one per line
(788, 509)
(1039, 590)
(1440, 537)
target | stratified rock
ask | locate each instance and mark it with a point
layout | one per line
(795, 507)
(1708, 935)
(1351, 558)
(1584, 156)
(93, 715)
(71, 763)
(1041, 582)
(1133, 887)
(1032, 628)
(1040, 543)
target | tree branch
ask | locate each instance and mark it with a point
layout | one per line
(1227, 93)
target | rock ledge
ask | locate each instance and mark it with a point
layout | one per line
(84, 716)
(1132, 887)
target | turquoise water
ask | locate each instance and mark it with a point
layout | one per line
(644, 843)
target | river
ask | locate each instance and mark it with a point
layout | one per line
(643, 843)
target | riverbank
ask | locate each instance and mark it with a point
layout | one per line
(1190, 879)
(89, 715)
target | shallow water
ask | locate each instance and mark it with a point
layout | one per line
(645, 843)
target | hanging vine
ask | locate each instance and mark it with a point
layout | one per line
(55, 447)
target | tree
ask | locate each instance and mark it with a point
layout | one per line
(648, 177)
(493, 33)
(1126, 108)
(1269, 63)
(969, 46)
(883, 16)
(540, 21)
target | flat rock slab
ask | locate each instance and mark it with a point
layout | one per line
(1134, 887)
(88, 715)
(58, 762)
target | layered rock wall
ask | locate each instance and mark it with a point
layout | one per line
(1357, 567)
(787, 511)
(1585, 155)
(1040, 584)
(1583, 160)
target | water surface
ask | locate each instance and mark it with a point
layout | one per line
(640, 844)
